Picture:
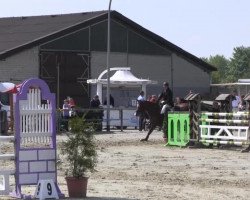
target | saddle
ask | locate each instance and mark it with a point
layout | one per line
(165, 107)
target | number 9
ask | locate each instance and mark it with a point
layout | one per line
(49, 188)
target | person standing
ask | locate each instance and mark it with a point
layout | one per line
(71, 102)
(111, 99)
(66, 109)
(95, 102)
(141, 97)
(235, 101)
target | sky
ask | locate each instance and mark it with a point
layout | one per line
(202, 27)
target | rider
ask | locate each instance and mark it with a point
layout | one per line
(166, 97)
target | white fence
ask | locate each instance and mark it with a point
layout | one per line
(35, 119)
(6, 156)
(224, 128)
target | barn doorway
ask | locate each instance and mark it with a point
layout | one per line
(66, 73)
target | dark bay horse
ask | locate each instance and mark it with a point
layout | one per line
(152, 110)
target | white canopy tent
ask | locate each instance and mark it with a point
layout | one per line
(122, 77)
(7, 87)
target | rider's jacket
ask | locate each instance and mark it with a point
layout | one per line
(167, 96)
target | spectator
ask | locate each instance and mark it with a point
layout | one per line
(141, 115)
(180, 104)
(111, 101)
(243, 104)
(95, 102)
(141, 97)
(235, 101)
(71, 102)
(66, 109)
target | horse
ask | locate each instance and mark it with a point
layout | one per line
(153, 110)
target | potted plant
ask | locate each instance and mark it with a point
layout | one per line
(80, 152)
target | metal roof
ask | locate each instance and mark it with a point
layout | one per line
(19, 33)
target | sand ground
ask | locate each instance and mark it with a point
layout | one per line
(128, 169)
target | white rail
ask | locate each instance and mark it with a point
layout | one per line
(224, 132)
(4, 174)
(219, 132)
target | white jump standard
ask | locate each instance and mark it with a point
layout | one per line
(35, 136)
(225, 131)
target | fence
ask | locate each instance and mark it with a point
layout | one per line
(120, 118)
(6, 156)
(225, 128)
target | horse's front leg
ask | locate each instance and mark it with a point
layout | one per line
(152, 127)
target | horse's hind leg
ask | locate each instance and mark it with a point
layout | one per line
(246, 149)
(152, 127)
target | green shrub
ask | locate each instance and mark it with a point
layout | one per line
(80, 148)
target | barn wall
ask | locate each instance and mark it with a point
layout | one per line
(20, 66)
(188, 76)
(153, 67)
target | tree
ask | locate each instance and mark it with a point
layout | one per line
(239, 66)
(222, 64)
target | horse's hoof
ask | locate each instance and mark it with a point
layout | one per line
(143, 140)
(245, 151)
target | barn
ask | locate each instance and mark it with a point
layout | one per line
(66, 50)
